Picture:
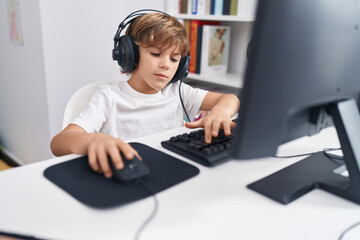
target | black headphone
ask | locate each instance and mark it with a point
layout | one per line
(126, 52)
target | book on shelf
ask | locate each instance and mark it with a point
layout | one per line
(194, 24)
(215, 50)
(199, 7)
(244, 8)
(186, 24)
(233, 7)
(184, 6)
(207, 7)
(230, 7)
(218, 9)
(226, 7)
(194, 4)
(198, 49)
(212, 7)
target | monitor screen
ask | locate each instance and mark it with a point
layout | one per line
(302, 75)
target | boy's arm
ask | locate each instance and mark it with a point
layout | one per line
(98, 146)
(222, 108)
(73, 139)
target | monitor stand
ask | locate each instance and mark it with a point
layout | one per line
(317, 171)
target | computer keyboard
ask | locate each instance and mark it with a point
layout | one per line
(192, 145)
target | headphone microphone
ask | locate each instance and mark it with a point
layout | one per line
(126, 52)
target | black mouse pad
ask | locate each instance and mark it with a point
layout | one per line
(93, 189)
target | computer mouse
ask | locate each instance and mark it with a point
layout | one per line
(133, 169)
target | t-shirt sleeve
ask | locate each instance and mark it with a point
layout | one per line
(193, 98)
(92, 118)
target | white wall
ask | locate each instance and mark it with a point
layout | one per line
(78, 42)
(67, 45)
(24, 115)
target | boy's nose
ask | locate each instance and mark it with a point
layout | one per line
(165, 63)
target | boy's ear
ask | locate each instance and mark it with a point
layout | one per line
(127, 53)
(183, 69)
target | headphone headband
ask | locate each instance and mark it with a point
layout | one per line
(131, 17)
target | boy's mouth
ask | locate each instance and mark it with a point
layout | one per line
(159, 75)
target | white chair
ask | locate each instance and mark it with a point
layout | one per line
(79, 100)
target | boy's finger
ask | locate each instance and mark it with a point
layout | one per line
(227, 128)
(137, 154)
(114, 154)
(195, 124)
(215, 129)
(207, 130)
(190, 124)
(104, 163)
(128, 151)
(93, 161)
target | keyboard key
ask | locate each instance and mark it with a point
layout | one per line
(192, 145)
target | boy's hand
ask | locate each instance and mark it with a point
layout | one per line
(103, 148)
(218, 118)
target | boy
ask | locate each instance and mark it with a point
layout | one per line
(146, 103)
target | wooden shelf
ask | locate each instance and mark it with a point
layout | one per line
(229, 18)
(234, 80)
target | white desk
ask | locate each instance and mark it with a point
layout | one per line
(213, 205)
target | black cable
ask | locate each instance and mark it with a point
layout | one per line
(18, 236)
(333, 157)
(152, 215)
(326, 150)
(182, 103)
(347, 230)
(298, 155)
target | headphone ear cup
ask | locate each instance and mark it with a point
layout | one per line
(128, 53)
(183, 69)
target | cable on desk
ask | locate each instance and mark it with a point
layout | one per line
(152, 215)
(298, 155)
(14, 236)
(332, 157)
(347, 230)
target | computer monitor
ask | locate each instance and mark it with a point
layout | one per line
(302, 75)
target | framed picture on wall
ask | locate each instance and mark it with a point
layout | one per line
(15, 25)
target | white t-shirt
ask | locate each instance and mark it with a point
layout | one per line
(122, 112)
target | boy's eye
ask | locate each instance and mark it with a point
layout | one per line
(155, 54)
(174, 59)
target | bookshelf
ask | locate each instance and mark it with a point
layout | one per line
(222, 18)
(241, 26)
(231, 79)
